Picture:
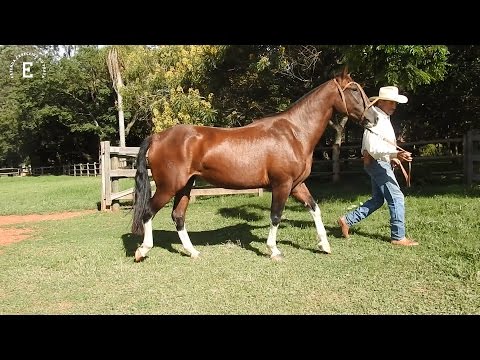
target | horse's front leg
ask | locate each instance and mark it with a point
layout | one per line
(302, 194)
(279, 198)
(178, 215)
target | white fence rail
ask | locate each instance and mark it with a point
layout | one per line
(86, 169)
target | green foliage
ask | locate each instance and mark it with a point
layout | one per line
(60, 117)
(450, 108)
(182, 108)
(434, 150)
(10, 101)
(406, 66)
(248, 84)
(163, 84)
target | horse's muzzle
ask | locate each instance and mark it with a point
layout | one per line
(367, 123)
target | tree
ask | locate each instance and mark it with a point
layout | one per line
(62, 116)
(162, 84)
(10, 102)
(115, 74)
(449, 108)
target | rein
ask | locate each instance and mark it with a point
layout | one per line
(408, 176)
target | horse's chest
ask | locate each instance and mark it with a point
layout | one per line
(307, 169)
(304, 168)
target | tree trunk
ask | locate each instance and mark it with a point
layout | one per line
(339, 136)
(114, 70)
(121, 120)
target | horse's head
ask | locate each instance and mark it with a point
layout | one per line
(353, 101)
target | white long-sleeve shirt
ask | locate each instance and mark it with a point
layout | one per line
(374, 144)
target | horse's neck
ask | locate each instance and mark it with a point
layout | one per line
(312, 114)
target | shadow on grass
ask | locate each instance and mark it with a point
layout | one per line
(242, 232)
(165, 239)
(244, 212)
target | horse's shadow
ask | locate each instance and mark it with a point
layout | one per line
(243, 213)
(242, 233)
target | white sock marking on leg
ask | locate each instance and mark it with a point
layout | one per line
(272, 240)
(147, 238)
(322, 234)
(187, 244)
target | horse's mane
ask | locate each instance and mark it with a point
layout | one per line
(292, 106)
(301, 100)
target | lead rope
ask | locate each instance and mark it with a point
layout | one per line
(408, 176)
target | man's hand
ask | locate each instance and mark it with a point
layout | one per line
(404, 156)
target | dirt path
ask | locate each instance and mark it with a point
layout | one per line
(11, 235)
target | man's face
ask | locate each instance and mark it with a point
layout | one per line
(387, 106)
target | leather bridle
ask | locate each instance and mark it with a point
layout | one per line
(367, 102)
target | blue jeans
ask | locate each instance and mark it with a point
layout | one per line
(384, 188)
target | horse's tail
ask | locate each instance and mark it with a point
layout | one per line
(143, 191)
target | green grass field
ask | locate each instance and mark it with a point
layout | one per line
(85, 265)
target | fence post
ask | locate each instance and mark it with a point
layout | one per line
(115, 182)
(466, 159)
(471, 156)
(105, 166)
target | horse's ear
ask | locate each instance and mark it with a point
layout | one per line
(345, 71)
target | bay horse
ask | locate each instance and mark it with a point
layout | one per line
(274, 152)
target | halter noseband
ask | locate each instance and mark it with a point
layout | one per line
(367, 102)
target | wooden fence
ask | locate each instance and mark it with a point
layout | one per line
(472, 156)
(86, 169)
(118, 162)
(447, 162)
(9, 172)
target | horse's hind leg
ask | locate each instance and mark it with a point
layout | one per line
(279, 198)
(158, 201)
(301, 194)
(180, 204)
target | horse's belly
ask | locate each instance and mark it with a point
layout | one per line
(234, 178)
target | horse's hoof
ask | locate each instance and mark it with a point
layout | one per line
(277, 258)
(325, 248)
(195, 256)
(138, 256)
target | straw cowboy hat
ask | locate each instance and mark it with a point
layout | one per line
(390, 93)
